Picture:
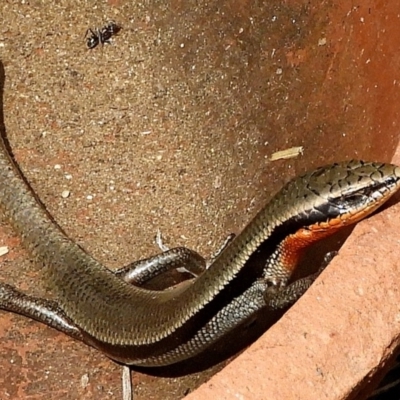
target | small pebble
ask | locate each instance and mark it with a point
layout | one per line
(3, 250)
(84, 380)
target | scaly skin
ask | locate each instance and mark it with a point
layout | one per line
(143, 327)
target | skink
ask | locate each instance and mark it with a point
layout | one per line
(150, 328)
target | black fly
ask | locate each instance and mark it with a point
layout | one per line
(101, 35)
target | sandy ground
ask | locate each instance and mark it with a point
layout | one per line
(171, 128)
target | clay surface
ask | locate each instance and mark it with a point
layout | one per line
(172, 127)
